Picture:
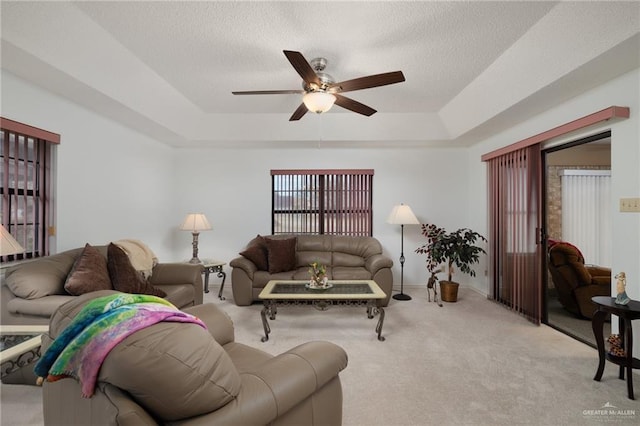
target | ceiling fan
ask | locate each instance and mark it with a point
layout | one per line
(320, 91)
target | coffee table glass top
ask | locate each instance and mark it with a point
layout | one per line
(18, 339)
(341, 289)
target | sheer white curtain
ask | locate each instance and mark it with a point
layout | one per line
(586, 213)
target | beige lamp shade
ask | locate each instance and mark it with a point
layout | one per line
(195, 222)
(402, 215)
(8, 244)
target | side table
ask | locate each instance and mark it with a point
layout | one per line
(213, 266)
(626, 314)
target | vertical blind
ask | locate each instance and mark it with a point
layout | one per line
(515, 250)
(586, 213)
(336, 202)
(25, 177)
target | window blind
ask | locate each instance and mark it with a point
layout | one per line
(25, 159)
(336, 202)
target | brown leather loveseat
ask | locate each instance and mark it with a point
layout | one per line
(183, 374)
(287, 257)
(575, 282)
(33, 290)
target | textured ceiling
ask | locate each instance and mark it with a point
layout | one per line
(168, 68)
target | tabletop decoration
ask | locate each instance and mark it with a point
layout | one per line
(318, 276)
(621, 287)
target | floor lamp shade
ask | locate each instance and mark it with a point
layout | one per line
(195, 222)
(8, 244)
(402, 215)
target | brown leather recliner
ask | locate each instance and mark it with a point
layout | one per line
(575, 282)
(183, 374)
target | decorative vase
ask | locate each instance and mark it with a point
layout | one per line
(318, 281)
(449, 291)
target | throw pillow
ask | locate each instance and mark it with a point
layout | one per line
(281, 254)
(89, 273)
(256, 252)
(124, 277)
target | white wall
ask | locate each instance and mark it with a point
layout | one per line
(115, 183)
(233, 188)
(111, 182)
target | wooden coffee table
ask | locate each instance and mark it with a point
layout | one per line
(363, 293)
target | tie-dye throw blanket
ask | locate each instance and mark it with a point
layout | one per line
(104, 322)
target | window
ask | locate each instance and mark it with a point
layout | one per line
(25, 156)
(336, 202)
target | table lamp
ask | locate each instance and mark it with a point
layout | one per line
(8, 244)
(402, 215)
(195, 222)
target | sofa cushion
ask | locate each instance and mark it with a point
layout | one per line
(350, 273)
(305, 258)
(281, 254)
(43, 277)
(178, 295)
(41, 307)
(174, 370)
(256, 252)
(363, 247)
(89, 273)
(124, 277)
(346, 259)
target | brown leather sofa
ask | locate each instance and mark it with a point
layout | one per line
(33, 290)
(182, 374)
(575, 282)
(346, 258)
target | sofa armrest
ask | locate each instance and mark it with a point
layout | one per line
(176, 273)
(599, 271)
(294, 375)
(376, 262)
(281, 383)
(601, 280)
(245, 264)
(217, 321)
(179, 274)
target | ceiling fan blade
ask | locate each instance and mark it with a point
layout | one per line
(269, 92)
(368, 82)
(302, 67)
(354, 106)
(298, 113)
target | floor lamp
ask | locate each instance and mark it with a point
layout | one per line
(402, 215)
(195, 222)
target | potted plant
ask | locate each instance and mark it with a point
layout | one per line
(454, 248)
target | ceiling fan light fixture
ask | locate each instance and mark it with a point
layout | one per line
(318, 102)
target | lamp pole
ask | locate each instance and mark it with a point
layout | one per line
(402, 215)
(195, 222)
(401, 295)
(194, 258)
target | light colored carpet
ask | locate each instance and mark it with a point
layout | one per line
(565, 321)
(467, 363)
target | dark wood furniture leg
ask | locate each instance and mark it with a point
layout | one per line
(597, 323)
(626, 314)
(628, 343)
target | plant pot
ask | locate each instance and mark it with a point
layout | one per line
(449, 291)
